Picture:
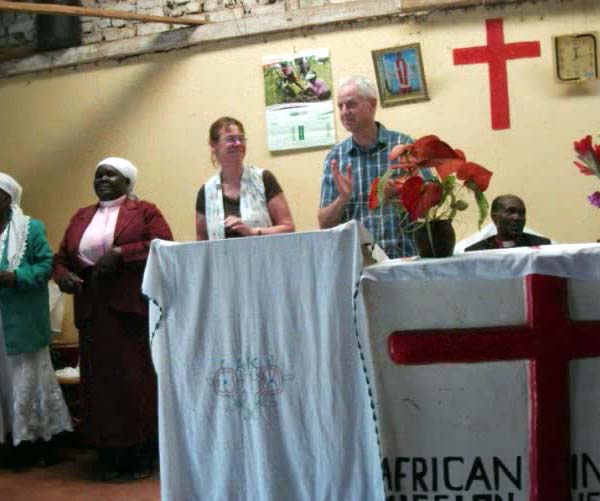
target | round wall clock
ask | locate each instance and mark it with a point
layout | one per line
(576, 57)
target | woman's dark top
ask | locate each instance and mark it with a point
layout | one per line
(231, 206)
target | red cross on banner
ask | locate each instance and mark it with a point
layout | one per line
(495, 54)
(550, 340)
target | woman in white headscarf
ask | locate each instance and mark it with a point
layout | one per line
(101, 261)
(36, 408)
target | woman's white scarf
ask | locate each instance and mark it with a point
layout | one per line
(253, 202)
(18, 231)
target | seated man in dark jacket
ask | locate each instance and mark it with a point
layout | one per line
(508, 214)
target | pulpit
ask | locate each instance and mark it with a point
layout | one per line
(262, 389)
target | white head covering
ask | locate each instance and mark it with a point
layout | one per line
(124, 166)
(17, 229)
(10, 186)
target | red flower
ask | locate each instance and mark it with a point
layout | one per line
(418, 196)
(435, 199)
(584, 146)
(475, 173)
(584, 169)
(403, 153)
(373, 201)
(399, 182)
(445, 166)
(429, 148)
(429, 151)
(400, 150)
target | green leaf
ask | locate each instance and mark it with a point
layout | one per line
(448, 184)
(482, 204)
(381, 186)
(430, 235)
(460, 205)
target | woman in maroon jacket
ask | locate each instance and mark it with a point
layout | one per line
(101, 261)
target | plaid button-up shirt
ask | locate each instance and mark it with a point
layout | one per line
(388, 230)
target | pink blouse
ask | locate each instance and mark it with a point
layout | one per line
(99, 236)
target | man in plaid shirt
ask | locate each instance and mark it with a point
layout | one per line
(351, 166)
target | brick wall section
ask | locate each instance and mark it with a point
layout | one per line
(18, 30)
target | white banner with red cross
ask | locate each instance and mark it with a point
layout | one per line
(487, 374)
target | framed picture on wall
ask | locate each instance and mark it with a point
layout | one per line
(400, 75)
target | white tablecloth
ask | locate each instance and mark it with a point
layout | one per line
(440, 422)
(578, 261)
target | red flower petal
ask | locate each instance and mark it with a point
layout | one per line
(431, 147)
(460, 154)
(584, 169)
(583, 146)
(418, 196)
(431, 194)
(399, 150)
(399, 182)
(410, 194)
(475, 173)
(373, 201)
(445, 166)
(425, 142)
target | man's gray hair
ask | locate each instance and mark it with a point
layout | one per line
(366, 88)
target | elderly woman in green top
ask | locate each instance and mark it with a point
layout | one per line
(37, 408)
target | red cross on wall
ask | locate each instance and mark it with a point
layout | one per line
(495, 54)
(550, 340)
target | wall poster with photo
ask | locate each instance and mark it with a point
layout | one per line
(400, 75)
(298, 100)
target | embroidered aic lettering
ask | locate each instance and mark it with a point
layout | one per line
(249, 384)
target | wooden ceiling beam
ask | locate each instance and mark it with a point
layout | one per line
(68, 10)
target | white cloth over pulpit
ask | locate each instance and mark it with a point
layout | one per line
(461, 430)
(262, 391)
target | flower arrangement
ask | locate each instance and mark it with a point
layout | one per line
(589, 154)
(427, 200)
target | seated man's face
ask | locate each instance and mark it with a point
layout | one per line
(510, 219)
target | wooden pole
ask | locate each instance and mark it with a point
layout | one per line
(68, 10)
